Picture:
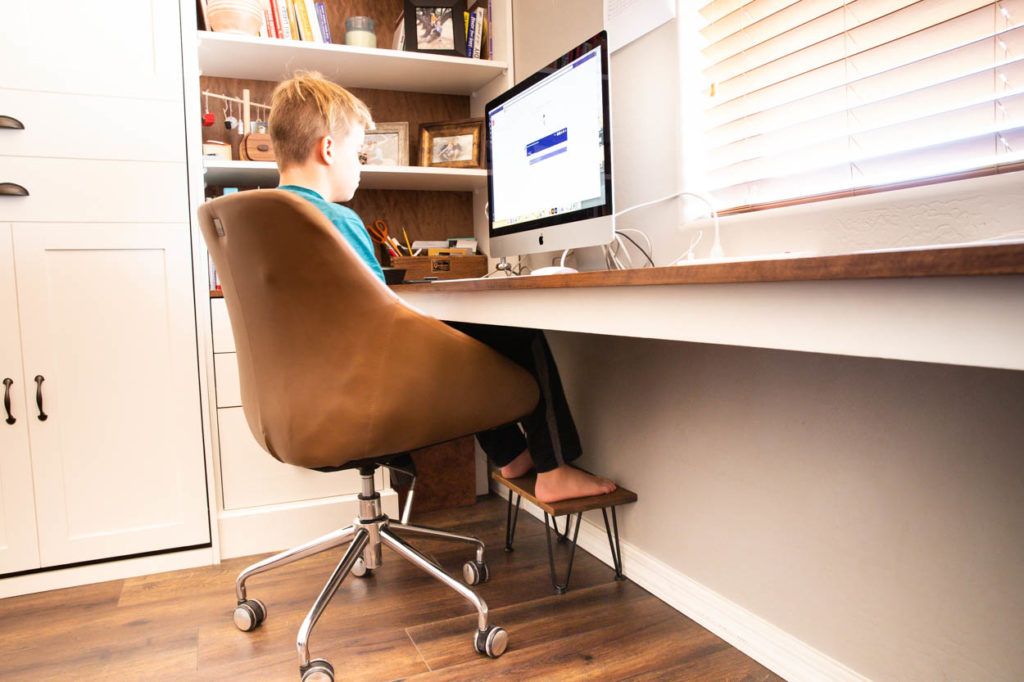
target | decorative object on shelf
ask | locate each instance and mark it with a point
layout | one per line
(235, 16)
(398, 33)
(436, 26)
(359, 32)
(217, 149)
(386, 145)
(256, 147)
(455, 144)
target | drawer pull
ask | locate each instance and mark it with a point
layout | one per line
(12, 189)
(7, 400)
(11, 122)
(39, 397)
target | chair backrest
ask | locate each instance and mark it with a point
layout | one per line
(333, 366)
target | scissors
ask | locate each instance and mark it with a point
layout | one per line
(379, 232)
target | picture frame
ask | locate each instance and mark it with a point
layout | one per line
(435, 26)
(452, 144)
(386, 145)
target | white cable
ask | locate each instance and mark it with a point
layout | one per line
(624, 250)
(565, 253)
(716, 247)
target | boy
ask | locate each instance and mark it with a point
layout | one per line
(317, 130)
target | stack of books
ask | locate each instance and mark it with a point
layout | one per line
(296, 20)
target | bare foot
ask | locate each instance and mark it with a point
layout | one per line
(519, 466)
(568, 483)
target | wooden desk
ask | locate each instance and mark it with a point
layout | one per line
(962, 306)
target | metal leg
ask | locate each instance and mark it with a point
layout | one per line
(561, 589)
(511, 520)
(561, 536)
(441, 535)
(355, 550)
(614, 544)
(416, 557)
(321, 544)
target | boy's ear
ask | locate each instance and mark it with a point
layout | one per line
(325, 149)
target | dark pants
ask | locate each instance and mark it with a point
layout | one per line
(550, 431)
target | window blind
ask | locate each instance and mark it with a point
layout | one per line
(821, 98)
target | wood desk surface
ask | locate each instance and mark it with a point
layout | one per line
(1002, 259)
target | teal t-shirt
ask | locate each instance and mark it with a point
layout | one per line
(348, 222)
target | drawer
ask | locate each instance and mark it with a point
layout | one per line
(80, 190)
(89, 127)
(252, 478)
(223, 339)
(229, 392)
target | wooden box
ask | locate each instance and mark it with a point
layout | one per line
(442, 267)
(256, 147)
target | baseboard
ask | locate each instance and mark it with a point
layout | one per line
(101, 572)
(767, 644)
(276, 527)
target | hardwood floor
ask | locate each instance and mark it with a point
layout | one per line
(398, 624)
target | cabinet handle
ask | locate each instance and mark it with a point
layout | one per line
(12, 189)
(11, 122)
(39, 397)
(7, 400)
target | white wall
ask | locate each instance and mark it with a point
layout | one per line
(873, 509)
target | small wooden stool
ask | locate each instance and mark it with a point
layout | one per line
(524, 487)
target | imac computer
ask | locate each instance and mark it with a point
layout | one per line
(549, 158)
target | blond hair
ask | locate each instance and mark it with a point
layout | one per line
(306, 108)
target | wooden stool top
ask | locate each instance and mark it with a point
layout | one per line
(524, 486)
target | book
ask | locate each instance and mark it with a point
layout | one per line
(305, 27)
(471, 32)
(293, 22)
(480, 14)
(398, 42)
(275, 14)
(314, 23)
(282, 18)
(325, 27)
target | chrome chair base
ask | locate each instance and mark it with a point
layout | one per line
(367, 534)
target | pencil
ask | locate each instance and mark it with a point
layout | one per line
(407, 245)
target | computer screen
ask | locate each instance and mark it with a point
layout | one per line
(549, 157)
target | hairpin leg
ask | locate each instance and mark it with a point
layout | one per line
(614, 544)
(511, 520)
(561, 589)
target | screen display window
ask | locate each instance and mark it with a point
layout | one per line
(547, 146)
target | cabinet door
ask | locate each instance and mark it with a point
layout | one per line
(18, 548)
(108, 322)
(116, 47)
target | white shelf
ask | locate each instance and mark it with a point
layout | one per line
(264, 174)
(266, 59)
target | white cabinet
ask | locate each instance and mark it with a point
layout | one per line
(18, 548)
(97, 305)
(123, 48)
(109, 347)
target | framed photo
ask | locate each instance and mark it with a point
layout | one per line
(457, 144)
(436, 26)
(386, 145)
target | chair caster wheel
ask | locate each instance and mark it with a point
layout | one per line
(318, 670)
(249, 615)
(360, 570)
(493, 641)
(475, 572)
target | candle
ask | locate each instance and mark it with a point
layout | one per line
(359, 32)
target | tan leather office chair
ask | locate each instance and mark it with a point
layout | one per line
(337, 372)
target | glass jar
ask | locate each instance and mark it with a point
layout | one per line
(359, 32)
